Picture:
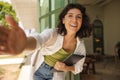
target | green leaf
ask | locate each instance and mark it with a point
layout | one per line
(6, 8)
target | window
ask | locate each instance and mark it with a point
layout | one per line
(48, 12)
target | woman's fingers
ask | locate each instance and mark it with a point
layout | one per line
(59, 66)
(10, 20)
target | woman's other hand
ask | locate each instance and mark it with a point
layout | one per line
(12, 41)
(60, 66)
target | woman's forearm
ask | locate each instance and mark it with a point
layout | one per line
(31, 43)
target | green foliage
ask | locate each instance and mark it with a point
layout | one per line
(6, 8)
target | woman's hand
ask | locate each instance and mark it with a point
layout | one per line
(12, 41)
(60, 66)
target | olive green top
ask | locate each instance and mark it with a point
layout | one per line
(58, 56)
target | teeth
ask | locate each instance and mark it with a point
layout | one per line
(73, 25)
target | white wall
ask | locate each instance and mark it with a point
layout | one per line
(111, 26)
(27, 12)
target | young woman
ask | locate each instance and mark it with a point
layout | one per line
(73, 25)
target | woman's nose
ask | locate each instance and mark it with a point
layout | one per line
(74, 19)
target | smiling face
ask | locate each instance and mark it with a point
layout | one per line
(73, 21)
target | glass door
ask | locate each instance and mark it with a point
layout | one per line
(98, 43)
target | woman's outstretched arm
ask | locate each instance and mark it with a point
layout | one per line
(14, 41)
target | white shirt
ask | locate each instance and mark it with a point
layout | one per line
(45, 36)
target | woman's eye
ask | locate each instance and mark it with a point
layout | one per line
(70, 16)
(79, 17)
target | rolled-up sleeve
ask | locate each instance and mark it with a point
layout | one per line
(42, 37)
(79, 65)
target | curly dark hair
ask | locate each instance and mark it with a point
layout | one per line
(86, 28)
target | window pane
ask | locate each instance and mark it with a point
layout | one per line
(55, 4)
(44, 7)
(44, 23)
(54, 19)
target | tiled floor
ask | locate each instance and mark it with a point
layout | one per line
(105, 70)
